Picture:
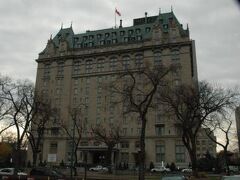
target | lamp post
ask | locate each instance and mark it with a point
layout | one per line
(101, 159)
(73, 144)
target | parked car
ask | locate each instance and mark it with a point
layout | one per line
(44, 173)
(234, 177)
(187, 170)
(98, 168)
(12, 173)
(174, 177)
(160, 169)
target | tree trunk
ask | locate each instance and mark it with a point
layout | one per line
(109, 159)
(194, 162)
(75, 163)
(34, 156)
(226, 161)
(141, 170)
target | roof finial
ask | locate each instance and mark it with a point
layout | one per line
(51, 37)
(71, 24)
(171, 8)
(62, 26)
(187, 27)
(159, 11)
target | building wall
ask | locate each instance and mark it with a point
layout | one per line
(66, 86)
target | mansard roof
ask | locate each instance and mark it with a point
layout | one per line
(141, 30)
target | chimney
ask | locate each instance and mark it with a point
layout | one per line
(145, 17)
(120, 23)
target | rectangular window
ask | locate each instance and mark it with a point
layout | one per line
(60, 69)
(125, 144)
(160, 130)
(76, 67)
(160, 153)
(47, 70)
(157, 58)
(53, 148)
(180, 153)
(175, 55)
(124, 157)
(55, 131)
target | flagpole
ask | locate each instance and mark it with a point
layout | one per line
(115, 18)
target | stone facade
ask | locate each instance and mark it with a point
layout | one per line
(73, 67)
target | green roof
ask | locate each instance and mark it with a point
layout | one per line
(141, 30)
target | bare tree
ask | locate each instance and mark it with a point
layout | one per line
(222, 126)
(35, 134)
(20, 97)
(74, 132)
(5, 107)
(192, 106)
(137, 89)
(110, 136)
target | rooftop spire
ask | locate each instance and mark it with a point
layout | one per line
(71, 24)
(159, 11)
(171, 8)
(62, 26)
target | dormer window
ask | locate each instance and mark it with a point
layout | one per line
(126, 39)
(138, 31)
(148, 29)
(107, 35)
(130, 32)
(99, 36)
(91, 37)
(122, 33)
(114, 34)
(165, 26)
(84, 38)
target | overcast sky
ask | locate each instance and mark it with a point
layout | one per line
(26, 25)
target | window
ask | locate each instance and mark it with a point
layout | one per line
(53, 147)
(157, 58)
(147, 29)
(160, 130)
(55, 131)
(99, 36)
(124, 157)
(100, 65)
(122, 33)
(139, 60)
(180, 153)
(137, 144)
(124, 131)
(106, 35)
(60, 69)
(160, 152)
(84, 143)
(88, 66)
(125, 144)
(113, 64)
(126, 62)
(47, 70)
(175, 55)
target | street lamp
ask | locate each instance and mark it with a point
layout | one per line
(101, 159)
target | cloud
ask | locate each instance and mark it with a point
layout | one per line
(26, 25)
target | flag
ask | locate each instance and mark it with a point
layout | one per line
(117, 12)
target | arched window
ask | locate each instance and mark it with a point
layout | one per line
(157, 58)
(113, 64)
(88, 66)
(100, 65)
(126, 62)
(139, 60)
